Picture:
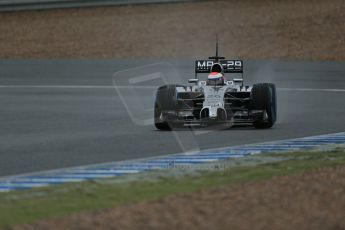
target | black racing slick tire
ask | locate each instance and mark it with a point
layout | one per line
(263, 97)
(166, 100)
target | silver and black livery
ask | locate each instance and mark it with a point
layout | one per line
(216, 102)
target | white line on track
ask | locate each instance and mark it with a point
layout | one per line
(310, 89)
(142, 87)
(77, 87)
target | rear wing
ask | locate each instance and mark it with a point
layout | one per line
(229, 66)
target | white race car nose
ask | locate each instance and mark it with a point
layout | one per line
(213, 112)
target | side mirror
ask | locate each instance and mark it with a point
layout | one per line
(193, 80)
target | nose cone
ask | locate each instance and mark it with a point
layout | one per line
(213, 112)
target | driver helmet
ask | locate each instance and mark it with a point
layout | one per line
(216, 77)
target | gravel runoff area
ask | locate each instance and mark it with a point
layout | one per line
(295, 29)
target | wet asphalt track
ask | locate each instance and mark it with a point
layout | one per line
(62, 113)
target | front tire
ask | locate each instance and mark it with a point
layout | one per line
(263, 97)
(166, 100)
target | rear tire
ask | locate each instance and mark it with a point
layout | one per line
(263, 97)
(166, 100)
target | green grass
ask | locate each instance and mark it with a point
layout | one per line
(28, 206)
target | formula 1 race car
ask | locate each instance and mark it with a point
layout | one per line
(216, 101)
